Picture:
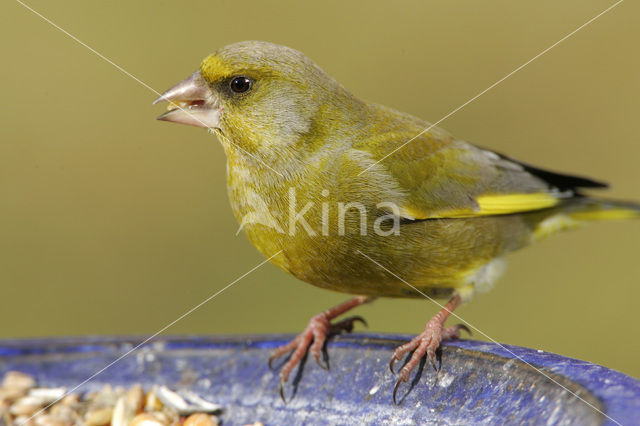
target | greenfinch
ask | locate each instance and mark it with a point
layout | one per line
(358, 198)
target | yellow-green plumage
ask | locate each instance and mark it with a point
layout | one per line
(461, 208)
(359, 198)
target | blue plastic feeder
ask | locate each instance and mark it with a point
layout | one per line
(479, 383)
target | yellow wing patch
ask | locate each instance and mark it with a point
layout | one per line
(496, 204)
(515, 203)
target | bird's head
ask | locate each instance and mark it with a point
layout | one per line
(259, 95)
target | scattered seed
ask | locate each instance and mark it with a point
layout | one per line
(171, 399)
(47, 395)
(152, 403)
(201, 419)
(71, 399)
(21, 399)
(49, 420)
(99, 416)
(200, 403)
(186, 402)
(24, 421)
(11, 394)
(121, 415)
(147, 419)
(67, 413)
(26, 406)
(134, 399)
(18, 380)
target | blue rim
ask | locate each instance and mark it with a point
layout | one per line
(618, 393)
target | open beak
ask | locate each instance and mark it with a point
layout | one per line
(191, 102)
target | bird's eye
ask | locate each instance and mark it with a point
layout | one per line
(241, 84)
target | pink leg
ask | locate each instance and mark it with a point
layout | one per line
(317, 331)
(427, 342)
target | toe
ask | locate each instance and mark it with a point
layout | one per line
(404, 349)
(316, 350)
(431, 356)
(347, 324)
(282, 350)
(453, 332)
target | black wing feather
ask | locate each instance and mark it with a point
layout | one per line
(561, 181)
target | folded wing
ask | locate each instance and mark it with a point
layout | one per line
(447, 178)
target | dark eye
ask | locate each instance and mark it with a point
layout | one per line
(241, 84)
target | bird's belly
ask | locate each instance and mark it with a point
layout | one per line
(432, 257)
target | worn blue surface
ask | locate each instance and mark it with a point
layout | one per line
(479, 382)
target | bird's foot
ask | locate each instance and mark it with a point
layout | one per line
(313, 338)
(426, 343)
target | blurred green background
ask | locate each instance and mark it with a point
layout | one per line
(114, 223)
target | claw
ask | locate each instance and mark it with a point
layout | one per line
(347, 324)
(281, 351)
(432, 359)
(465, 328)
(359, 319)
(395, 390)
(324, 366)
(393, 361)
(281, 389)
(270, 362)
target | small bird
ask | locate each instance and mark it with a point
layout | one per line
(358, 198)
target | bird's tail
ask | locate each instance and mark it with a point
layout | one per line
(587, 209)
(580, 210)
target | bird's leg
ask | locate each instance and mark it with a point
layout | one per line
(427, 342)
(315, 335)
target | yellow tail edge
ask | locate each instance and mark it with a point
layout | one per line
(577, 212)
(594, 209)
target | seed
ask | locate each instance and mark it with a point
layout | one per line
(49, 420)
(168, 416)
(199, 403)
(201, 419)
(71, 399)
(66, 413)
(26, 406)
(24, 421)
(171, 399)
(47, 395)
(18, 380)
(105, 397)
(152, 403)
(4, 413)
(121, 415)
(135, 398)
(99, 416)
(11, 393)
(147, 419)
(127, 406)
(185, 402)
